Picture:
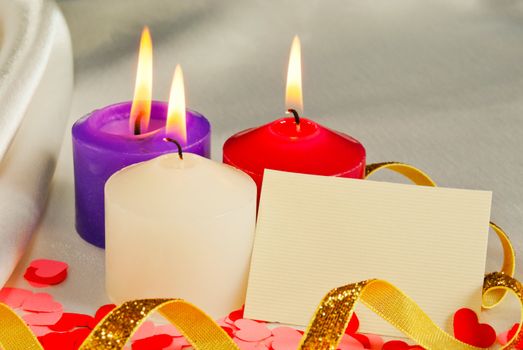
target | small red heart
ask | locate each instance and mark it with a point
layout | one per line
(58, 341)
(353, 326)
(512, 334)
(45, 272)
(468, 329)
(70, 320)
(237, 314)
(100, 314)
(79, 335)
(399, 345)
(156, 342)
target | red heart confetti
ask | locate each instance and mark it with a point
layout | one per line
(237, 314)
(46, 272)
(101, 313)
(58, 341)
(178, 344)
(156, 342)
(66, 331)
(39, 282)
(363, 339)
(79, 335)
(70, 320)
(468, 329)
(512, 333)
(353, 326)
(399, 345)
(228, 330)
(146, 330)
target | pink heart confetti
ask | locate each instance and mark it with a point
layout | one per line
(40, 331)
(42, 318)
(349, 343)
(169, 330)
(363, 339)
(286, 332)
(14, 297)
(244, 345)
(41, 302)
(251, 331)
(376, 342)
(146, 330)
(503, 338)
(285, 338)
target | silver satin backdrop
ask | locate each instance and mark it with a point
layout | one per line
(438, 84)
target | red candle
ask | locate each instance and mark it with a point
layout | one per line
(295, 144)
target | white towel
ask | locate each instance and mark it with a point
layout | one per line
(36, 80)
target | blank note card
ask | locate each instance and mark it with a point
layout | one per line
(315, 233)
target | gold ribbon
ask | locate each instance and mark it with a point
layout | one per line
(328, 323)
(333, 314)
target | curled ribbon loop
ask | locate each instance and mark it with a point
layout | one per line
(420, 178)
(333, 314)
(14, 334)
(119, 325)
(328, 323)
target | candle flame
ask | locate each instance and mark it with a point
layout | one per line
(141, 107)
(176, 124)
(293, 94)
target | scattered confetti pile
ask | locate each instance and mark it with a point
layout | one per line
(59, 330)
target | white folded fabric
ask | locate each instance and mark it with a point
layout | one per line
(36, 80)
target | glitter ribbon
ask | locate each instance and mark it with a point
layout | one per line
(328, 323)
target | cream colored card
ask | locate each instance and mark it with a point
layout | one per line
(315, 233)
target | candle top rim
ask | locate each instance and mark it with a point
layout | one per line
(278, 148)
(95, 130)
(215, 187)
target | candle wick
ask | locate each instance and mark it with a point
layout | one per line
(180, 152)
(295, 114)
(137, 124)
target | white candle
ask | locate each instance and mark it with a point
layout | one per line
(180, 228)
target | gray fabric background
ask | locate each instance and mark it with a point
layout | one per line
(438, 84)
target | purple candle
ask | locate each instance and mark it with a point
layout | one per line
(102, 145)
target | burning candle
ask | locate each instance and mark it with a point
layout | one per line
(295, 144)
(183, 226)
(116, 136)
